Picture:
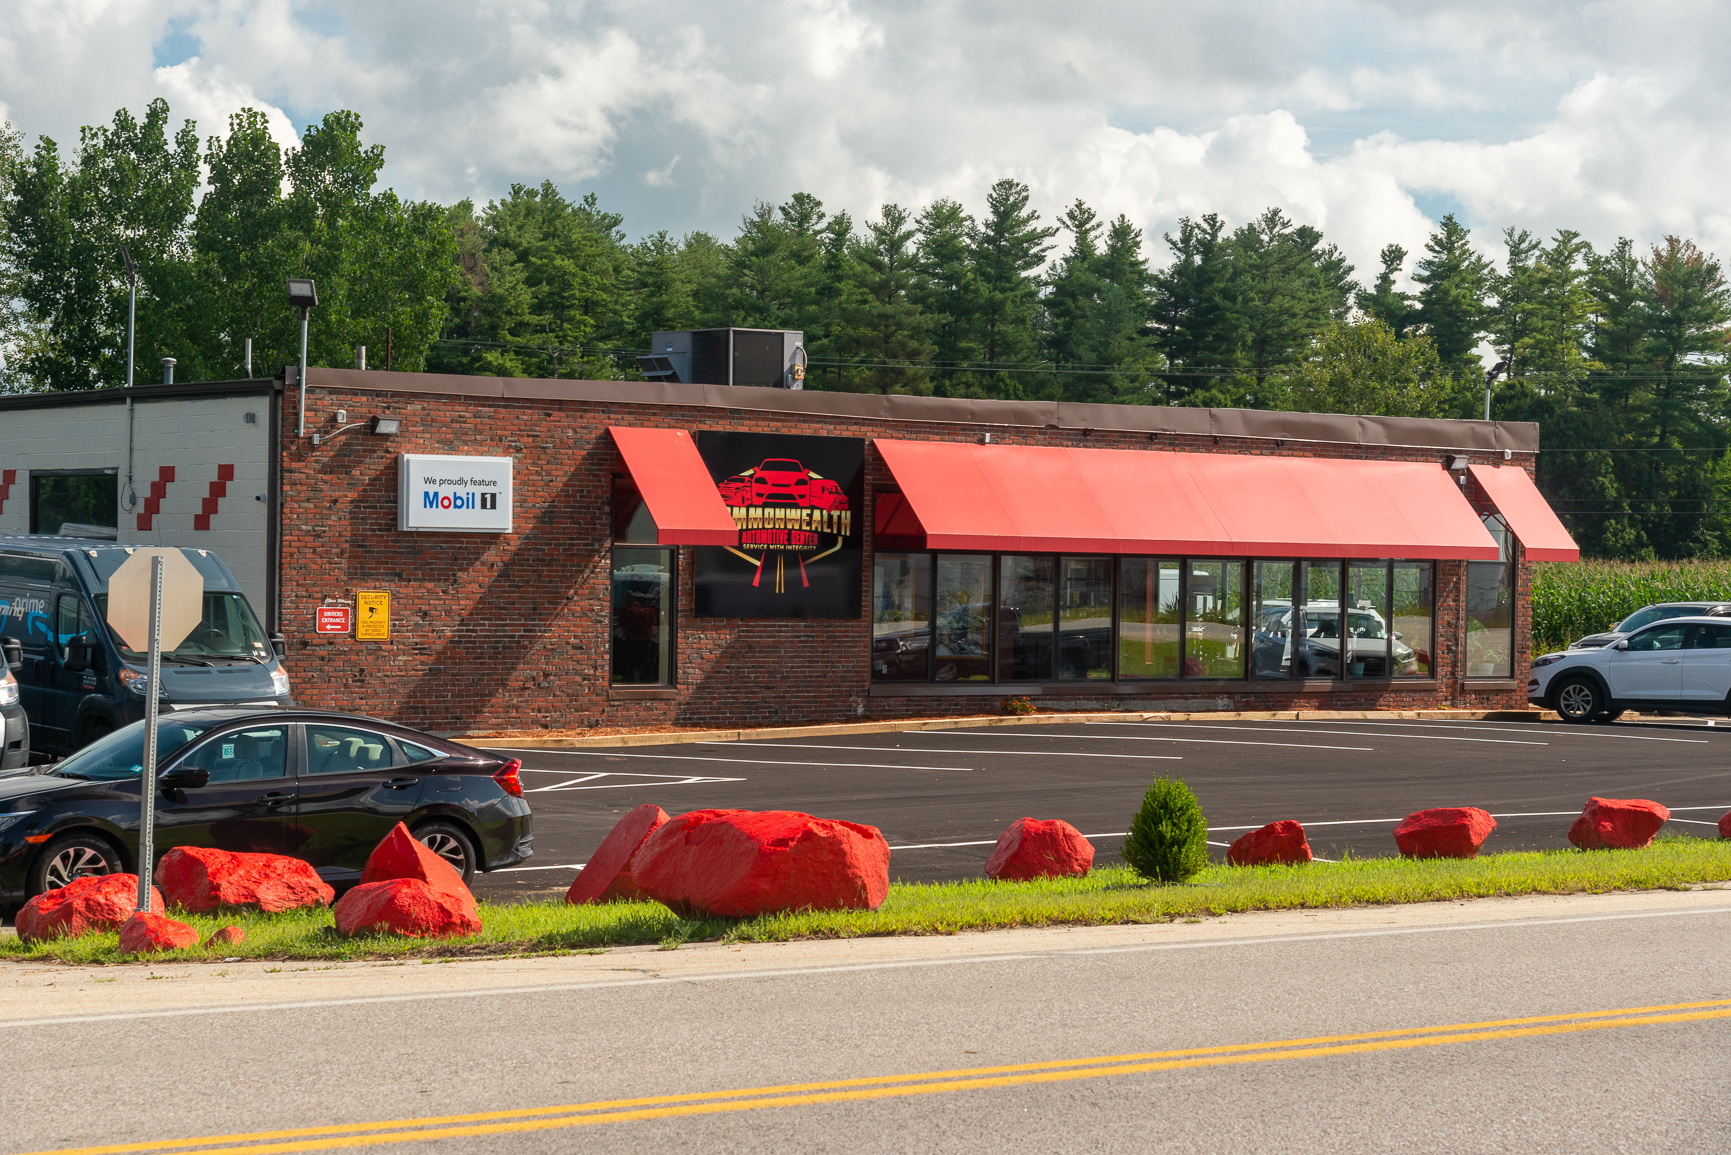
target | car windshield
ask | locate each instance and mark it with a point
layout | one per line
(781, 465)
(120, 755)
(228, 631)
(1653, 614)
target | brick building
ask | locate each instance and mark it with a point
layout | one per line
(582, 553)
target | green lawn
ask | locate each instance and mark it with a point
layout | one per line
(1106, 896)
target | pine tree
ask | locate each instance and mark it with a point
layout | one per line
(1451, 303)
(946, 291)
(1396, 309)
(883, 328)
(1007, 247)
(1194, 310)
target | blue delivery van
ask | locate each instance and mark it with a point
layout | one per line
(78, 681)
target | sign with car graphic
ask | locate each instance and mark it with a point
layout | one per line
(797, 502)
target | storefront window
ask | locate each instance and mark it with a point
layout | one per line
(1367, 634)
(963, 606)
(1491, 608)
(1316, 642)
(1271, 619)
(1414, 615)
(901, 616)
(1149, 612)
(1085, 618)
(641, 609)
(1214, 610)
(1025, 595)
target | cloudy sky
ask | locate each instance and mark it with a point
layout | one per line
(1368, 120)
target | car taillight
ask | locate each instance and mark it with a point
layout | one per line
(506, 777)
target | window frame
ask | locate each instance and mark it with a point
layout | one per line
(671, 617)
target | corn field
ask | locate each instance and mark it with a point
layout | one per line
(1571, 599)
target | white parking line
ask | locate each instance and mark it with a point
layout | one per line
(1551, 729)
(659, 780)
(754, 762)
(984, 842)
(894, 750)
(561, 866)
(1128, 738)
(1267, 729)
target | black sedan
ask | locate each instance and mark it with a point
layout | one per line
(320, 787)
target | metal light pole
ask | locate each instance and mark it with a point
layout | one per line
(1489, 377)
(131, 309)
(303, 294)
(147, 783)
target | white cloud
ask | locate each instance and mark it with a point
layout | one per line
(1350, 114)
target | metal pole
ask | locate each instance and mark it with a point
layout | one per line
(302, 431)
(249, 358)
(147, 779)
(1488, 396)
(131, 322)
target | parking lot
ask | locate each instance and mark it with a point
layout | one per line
(942, 796)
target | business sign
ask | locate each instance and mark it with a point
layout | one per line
(453, 494)
(373, 616)
(334, 619)
(797, 502)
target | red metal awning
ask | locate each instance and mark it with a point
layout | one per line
(1051, 499)
(1529, 515)
(676, 487)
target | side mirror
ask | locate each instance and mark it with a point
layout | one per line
(279, 643)
(13, 649)
(78, 656)
(1622, 644)
(184, 778)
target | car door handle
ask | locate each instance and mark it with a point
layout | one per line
(401, 783)
(1669, 661)
(275, 797)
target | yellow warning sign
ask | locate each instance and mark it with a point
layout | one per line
(372, 615)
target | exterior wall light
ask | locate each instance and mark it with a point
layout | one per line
(387, 426)
(381, 426)
(303, 295)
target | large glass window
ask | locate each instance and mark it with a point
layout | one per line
(74, 502)
(1271, 619)
(1214, 609)
(1414, 618)
(641, 611)
(963, 604)
(1366, 632)
(1025, 599)
(1150, 609)
(901, 616)
(1085, 618)
(1316, 641)
(1490, 608)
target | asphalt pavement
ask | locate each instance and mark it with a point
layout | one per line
(941, 797)
(1546, 1024)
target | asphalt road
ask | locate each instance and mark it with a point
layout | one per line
(942, 797)
(1573, 1028)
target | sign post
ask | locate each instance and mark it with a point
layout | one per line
(155, 599)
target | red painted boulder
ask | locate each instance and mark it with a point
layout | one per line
(1444, 832)
(201, 879)
(607, 874)
(1278, 843)
(1040, 848)
(406, 906)
(741, 863)
(407, 889)
(1619, 824)
(1725, 826)
(147, 931)
(227, 936)
(81, 906)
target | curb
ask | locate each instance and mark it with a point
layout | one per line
(840, 729)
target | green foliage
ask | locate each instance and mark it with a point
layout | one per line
(1168, 837)
(1573, 599)
(1362, 367)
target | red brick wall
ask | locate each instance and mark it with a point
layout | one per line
(510, 631)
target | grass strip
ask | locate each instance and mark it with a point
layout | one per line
(1106, 896)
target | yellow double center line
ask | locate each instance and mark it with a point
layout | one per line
(896, 1086)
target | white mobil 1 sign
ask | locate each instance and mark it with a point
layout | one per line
(454, 494)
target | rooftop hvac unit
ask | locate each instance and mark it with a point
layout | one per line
(770, 358)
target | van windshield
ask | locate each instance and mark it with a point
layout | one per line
(228, 631)
(120, 755)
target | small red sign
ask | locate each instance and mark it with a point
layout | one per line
(335, 619)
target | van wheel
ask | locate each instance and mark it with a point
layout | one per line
(71, 857)
(1578, 700)
(97, 727)
(450, 843)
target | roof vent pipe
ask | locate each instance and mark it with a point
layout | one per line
(168, 370)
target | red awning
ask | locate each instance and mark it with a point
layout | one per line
(1049, 499)
(1529, 515)
(676, 487)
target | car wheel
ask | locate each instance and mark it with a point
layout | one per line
(1578, 700)
(70, 857)
(450, 843)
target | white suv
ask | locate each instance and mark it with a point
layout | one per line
(1676, 664)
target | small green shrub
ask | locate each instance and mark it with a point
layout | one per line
(1168, 838)
(1018, 706)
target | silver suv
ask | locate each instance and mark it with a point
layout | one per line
(1646, 616)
